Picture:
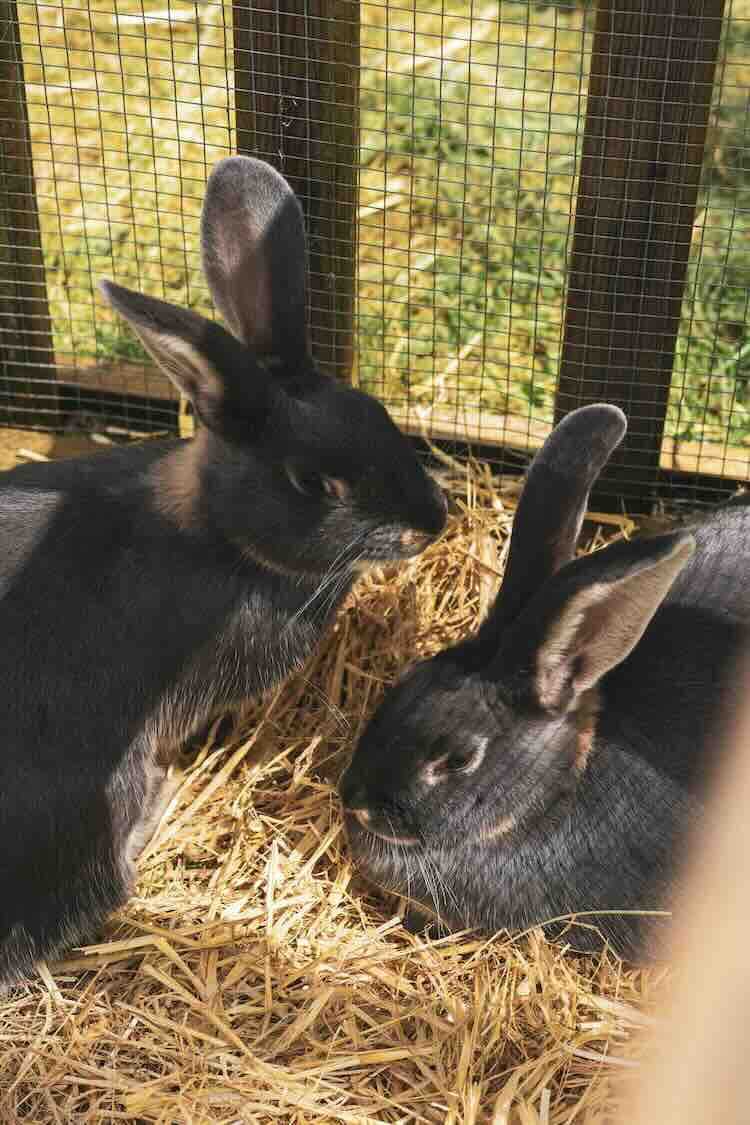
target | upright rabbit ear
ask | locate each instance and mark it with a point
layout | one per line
(553, 504)
(200, 357)
(588, 618)
(253, 240)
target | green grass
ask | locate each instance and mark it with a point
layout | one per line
(462, 281)
(470, 127)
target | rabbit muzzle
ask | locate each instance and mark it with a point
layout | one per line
(413, 542)
(362, 820)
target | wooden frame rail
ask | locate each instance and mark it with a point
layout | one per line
(649, 99)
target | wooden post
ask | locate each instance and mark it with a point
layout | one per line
(28, 394)
(296, 66)
(649, 99)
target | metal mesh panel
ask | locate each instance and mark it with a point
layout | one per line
(457, 134)
(709, 409)
(471, 117)
(128, 106)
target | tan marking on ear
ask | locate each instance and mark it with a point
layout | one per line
(587, 714)
(176, 480)
(180, 359)
(602, 623)
(163, 786)
(551, 661)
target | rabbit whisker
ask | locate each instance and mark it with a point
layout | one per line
(402, 853)
(335, 589)
(338, 715)
(432, 888)
(338, 588)
(332, 574)
(327, 580)
(441, 881)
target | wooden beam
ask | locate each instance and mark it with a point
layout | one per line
(143, 380)
(649, 99)
(509, 431)
(463, 426)
(27, 359)
(296, 65)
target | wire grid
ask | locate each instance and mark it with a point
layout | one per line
(709, 410)
(471, 121)
(129, 106)
(471, 127)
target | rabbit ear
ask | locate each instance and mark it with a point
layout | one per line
(592, 615)
(200, 357)
(553, 504)
(253, 241)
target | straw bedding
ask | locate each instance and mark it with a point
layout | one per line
(253, 977)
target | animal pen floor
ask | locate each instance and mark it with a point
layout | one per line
(252, 977)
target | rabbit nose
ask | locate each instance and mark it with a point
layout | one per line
(364, 816)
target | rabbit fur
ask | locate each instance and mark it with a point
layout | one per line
(551, 764)
(146, 588)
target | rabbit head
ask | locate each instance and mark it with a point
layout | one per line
(492, 735)
(298, 469)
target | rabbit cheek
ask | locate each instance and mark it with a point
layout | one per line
(383, 862)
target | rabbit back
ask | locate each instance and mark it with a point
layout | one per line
(667, 698)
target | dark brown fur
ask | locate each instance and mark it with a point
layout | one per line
(591, 692)
(144, 590)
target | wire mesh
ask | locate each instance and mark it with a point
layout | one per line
(709, 410)
(471, 121)
(129, 105)
(471, 118)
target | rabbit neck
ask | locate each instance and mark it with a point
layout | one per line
(176, 483)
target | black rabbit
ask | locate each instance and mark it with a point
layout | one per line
(552, 763)
(144, 589)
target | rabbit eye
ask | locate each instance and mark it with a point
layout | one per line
(460, 760)
(314, 484)
(457, 761)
